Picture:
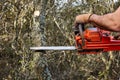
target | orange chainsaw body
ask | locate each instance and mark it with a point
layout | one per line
(97, 39)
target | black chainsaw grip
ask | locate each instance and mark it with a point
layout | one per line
(76, 28)
(83, 26)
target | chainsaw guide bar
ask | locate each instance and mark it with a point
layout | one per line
(53, 48)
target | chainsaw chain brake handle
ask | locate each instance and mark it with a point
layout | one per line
(76, 28)
(79, 29)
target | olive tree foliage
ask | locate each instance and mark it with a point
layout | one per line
(19, 29)
(15, 26)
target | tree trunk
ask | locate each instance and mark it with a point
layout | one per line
(43, 59)
(42, 70)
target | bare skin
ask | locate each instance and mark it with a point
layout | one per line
(110, 21)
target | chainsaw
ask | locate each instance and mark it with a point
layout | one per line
(88, 41)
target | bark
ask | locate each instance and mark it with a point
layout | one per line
(43, 59)
(39, 39)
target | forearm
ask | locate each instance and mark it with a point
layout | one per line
(105, 22)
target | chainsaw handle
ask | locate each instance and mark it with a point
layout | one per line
(81, 30)
(78, 30)
(80, 24)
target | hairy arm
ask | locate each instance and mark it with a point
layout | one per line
(109, 21)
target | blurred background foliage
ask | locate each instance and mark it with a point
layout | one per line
(19, 29)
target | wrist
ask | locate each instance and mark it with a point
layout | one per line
(90, 17)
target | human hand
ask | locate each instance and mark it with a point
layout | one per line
(84, 18)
